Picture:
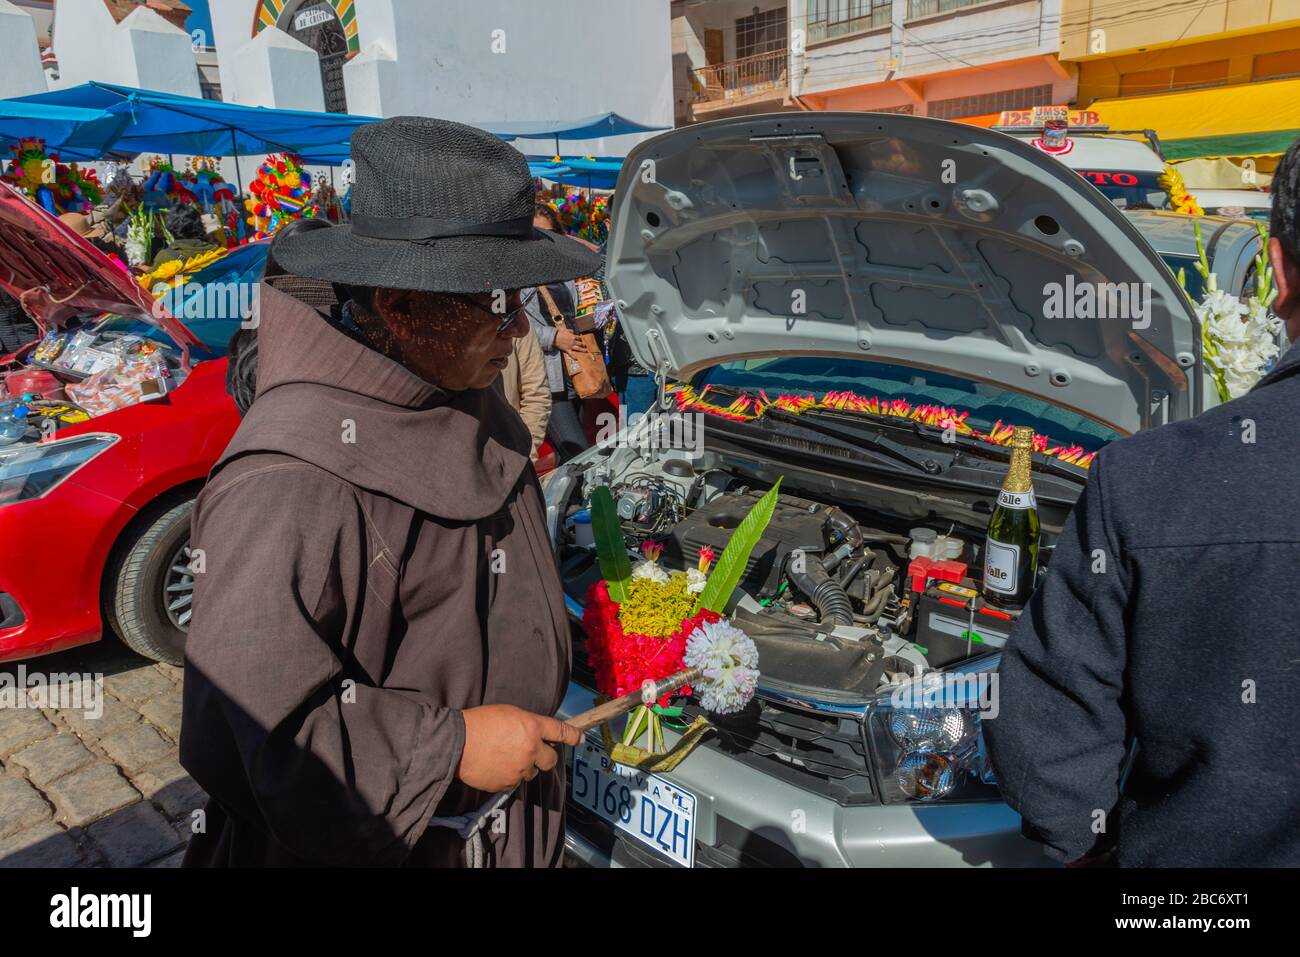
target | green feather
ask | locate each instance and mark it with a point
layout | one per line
(726, 574)
(611, 550)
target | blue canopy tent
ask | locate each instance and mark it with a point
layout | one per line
(590, 128)
(591, 172)
(72, 132)
(593, 127)
(95, 119)
(165, 123)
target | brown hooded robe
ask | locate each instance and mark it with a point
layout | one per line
(373, 561)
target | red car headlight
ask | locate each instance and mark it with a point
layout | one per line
(31, 471)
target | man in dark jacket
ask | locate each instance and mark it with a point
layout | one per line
(1165, 637)
(379, 637)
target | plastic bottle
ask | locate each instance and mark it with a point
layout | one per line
(13, 422)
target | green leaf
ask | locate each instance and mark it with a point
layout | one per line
(726, 574)
(611, 550)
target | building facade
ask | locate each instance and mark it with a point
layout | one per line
(1122, 48)
(955, 59)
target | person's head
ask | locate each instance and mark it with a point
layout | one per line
(185, 221)
(457, 341)
(84, 226)
(1284, 240)
(545, 216)
(440, 247)
(294, 227)
(241, 372)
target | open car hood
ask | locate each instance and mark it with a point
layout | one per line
(899, 239)
(57, 275)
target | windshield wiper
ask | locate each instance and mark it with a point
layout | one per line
(874, 438)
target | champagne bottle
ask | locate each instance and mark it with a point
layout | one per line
(1011, 546)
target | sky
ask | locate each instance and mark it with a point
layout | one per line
(199, 19)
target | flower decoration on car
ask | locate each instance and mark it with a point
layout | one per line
(1180, 200)
(746, 408)
(644, 623)
(1239, 339)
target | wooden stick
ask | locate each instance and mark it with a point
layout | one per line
(648, 693)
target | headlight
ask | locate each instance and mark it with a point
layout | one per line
(33, 470)
(925, 737)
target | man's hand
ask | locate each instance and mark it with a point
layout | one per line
(567, 342)
(505, 745)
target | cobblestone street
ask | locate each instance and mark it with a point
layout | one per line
(84, 791)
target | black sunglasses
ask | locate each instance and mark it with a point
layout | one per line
(509, 317)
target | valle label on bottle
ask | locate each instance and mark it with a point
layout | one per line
(1011, 546)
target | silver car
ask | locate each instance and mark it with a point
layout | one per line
(927, 266)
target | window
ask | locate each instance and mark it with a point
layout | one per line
(828, 19)
(763, 32)
(928, 8)
(992, 102)
(1268, 66)
(1169, 78)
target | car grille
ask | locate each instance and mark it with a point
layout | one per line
(819, 753)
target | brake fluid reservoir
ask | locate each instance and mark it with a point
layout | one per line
(923, 542)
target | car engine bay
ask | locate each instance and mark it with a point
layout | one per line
(842, 601)
(77, 374)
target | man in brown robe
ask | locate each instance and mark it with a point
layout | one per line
(379, 636)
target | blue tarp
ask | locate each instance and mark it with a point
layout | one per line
(590, 128)
(72, 132)
(165, 123)
(584, 171)
(86, 118)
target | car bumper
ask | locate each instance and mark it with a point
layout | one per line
(747, 818)
(51, 568)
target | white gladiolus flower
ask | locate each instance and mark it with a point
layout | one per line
(1243, 335)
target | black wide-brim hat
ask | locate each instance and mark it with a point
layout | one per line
(441, 207)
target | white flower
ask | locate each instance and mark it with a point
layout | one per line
(651, 571)
(1244, 336)
(729, 662)
(696, 580)
(1219, 305)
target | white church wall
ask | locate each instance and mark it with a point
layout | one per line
(496, 61)
(279, 72)
(144, 50)
(20, 57)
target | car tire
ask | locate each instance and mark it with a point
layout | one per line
(137, 579)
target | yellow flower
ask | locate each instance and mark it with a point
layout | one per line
(656, 608)
(169, 269)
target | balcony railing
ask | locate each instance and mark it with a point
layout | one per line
(741, 78)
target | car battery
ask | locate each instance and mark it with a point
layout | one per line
(953, 622)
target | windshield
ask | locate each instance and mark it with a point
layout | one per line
(212, 303)
(1128, 189)
(987, 404)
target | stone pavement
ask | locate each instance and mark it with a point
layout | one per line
(79, 790)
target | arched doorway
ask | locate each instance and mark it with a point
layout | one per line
(327, 26)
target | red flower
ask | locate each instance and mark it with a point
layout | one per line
(620, 660)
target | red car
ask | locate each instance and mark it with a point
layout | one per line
(95, 516)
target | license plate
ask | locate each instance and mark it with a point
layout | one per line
(658, 814)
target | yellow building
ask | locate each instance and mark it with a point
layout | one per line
(1218, 78)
